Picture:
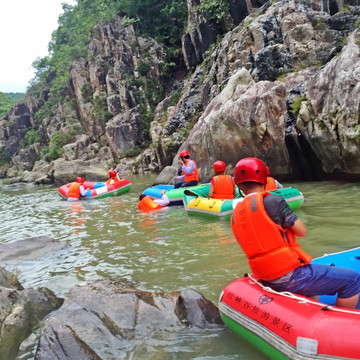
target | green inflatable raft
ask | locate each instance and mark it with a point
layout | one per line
(197, 202)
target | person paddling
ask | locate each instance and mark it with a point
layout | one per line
(266, 228)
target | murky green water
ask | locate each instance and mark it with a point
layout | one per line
(166, 250)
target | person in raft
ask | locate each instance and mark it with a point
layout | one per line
(221, 186)
(114, 177)
(265, 227)
(147, 203)
(76, 189)
(189, 169)
(271, 183)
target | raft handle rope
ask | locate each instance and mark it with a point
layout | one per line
(301, 299)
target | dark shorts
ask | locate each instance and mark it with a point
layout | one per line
(316, 279)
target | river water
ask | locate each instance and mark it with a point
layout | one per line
(162, 251)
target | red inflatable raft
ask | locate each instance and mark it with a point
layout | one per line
(99, 190)
(289, 326)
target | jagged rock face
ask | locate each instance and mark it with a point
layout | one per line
(116, 57)
(245, 119)
(11, 135)
(204, 32)
(110, 318)
(267, 44)
(331, 6)
(108, 89)
(253, 117)
(329, 115)
(253, 114)
(124, 131)
(26, 158)
(241, 97)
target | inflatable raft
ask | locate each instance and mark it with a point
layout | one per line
(289, 326)
(196, 202)
(175, 196)
(99, 190)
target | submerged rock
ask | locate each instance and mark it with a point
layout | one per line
(109, 318)
(31, 248)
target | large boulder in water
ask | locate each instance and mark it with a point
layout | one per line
(21, 311)
(108, 319)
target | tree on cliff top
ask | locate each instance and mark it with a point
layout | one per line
(163, 20)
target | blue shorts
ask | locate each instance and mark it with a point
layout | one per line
(316, 279)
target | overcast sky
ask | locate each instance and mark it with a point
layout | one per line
(25, 32)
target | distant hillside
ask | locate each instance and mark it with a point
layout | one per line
(15, 96)
(7, 100)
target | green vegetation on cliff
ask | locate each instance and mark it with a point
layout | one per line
(7, 100)
(163, 20)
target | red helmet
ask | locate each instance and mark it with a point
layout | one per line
(112, 173)
(251, 169)
(80, 180)
(219, 166)
(184, 153)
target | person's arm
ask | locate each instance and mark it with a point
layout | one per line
(164, 201)
(280, 212)
(289, 220)
(278, 185)
(189, 168)
(298, 228)
(82, 190)
(211, 190)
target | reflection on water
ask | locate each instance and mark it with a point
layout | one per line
(166, 250)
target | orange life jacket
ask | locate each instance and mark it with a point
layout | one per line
(271, 250)
(74, 190)
(223, 187)
(194, 176)
(147, 204)
(270, 184)
(116, 179)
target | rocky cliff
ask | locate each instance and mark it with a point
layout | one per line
(278, 80)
